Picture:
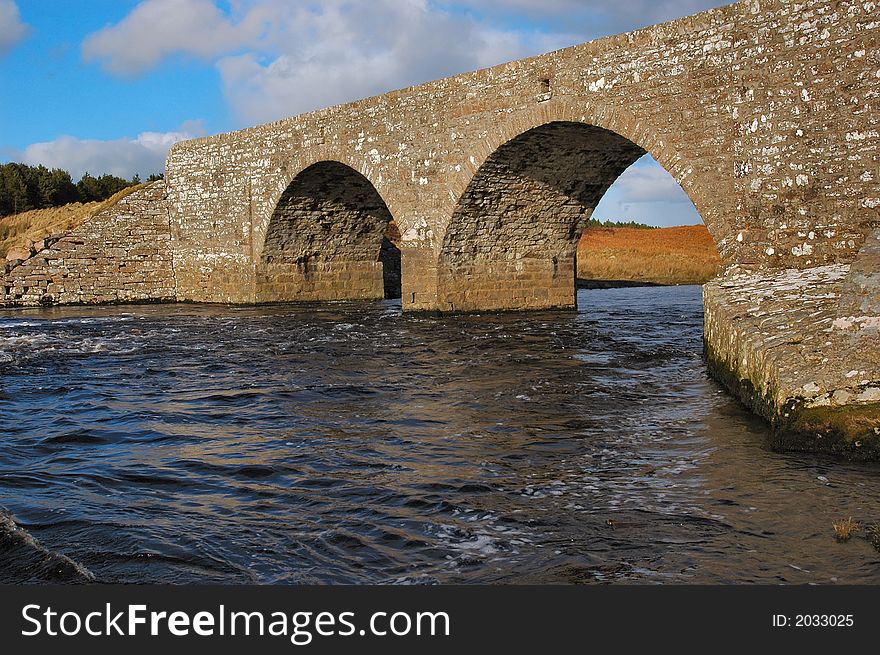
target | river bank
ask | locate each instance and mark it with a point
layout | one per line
(23, 560)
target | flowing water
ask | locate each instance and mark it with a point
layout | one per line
(347, 442)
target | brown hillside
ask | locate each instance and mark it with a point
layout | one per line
(671, 255)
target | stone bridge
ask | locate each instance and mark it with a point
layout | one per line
(470, 193)
(764, 112)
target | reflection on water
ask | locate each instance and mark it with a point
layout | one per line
(350, 443)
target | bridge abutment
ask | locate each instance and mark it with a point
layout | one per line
(779, 342)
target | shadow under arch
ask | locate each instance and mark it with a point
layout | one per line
(325, 239)
(510, 242)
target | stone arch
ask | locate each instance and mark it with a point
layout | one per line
(702, 184)
(325, 238)
(510, 241)
(268, 189)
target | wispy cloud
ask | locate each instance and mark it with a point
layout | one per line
(12, 29)
(156, 29)
(647, 193)
(347, 51)
(649, 182)
(279, 58)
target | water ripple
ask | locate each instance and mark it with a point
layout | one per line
(349, 443)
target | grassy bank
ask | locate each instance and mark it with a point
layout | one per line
(671, 255)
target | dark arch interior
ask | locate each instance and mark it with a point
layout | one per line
(533, 196)
(389, 255)
(331, 216)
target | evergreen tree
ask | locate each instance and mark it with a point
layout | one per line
(24, 187)
(13, 191)
(88, 188)
(110, 184)
(56, 188)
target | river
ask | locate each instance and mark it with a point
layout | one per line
(348, 443)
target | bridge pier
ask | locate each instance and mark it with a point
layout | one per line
(511, 241)
(317, 280)
(418, 284)
(508, 284)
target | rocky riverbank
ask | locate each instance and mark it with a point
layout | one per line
(782, 343)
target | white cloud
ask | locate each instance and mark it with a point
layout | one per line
(648, 181)
(144, 154)
(348, 51)
(279, 58)
(156, 29)
(647, 193)
(12, 29)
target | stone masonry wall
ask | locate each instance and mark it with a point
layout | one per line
(121, 254)
(765, 111)
(860, 294)
(778, 341)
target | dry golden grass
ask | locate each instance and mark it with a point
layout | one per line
(843, 529)
(20, 230)
(670, 255)
(874, 536)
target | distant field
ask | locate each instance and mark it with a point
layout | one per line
(671, 255)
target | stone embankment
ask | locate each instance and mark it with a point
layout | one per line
(121, 254)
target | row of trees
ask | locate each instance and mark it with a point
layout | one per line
(24, 187)
(596, 223)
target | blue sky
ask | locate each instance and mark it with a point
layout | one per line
(109, 85)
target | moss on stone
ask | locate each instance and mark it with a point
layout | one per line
(850, 430)
(744, 389)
